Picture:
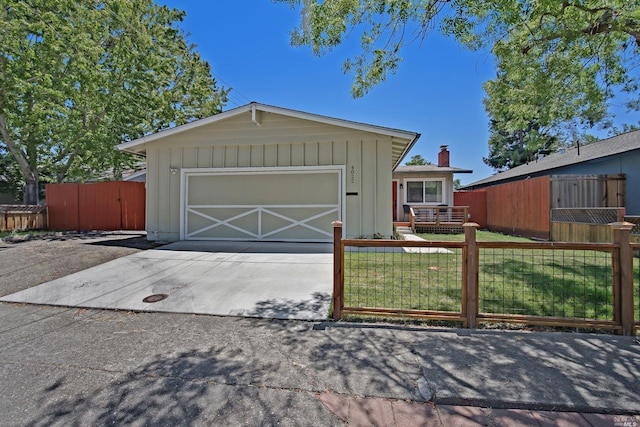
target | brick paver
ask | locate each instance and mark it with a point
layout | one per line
(374, 411)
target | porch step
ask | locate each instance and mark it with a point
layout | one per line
(404, 230)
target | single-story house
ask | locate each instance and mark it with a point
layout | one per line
(260, 172)
(616, 155)
(424, 185)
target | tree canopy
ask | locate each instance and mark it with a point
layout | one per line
(559, 63)
(417, 160)
(78, 77)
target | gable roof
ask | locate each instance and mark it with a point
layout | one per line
(402, 140)
(604, 148)
(429, 169)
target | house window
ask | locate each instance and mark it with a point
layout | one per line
(424, 192)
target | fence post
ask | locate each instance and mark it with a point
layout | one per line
(623, 278)
(338, 276)
(471, 277)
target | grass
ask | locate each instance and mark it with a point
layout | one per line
(533, 282)
(560, 283)
(20, 233)
(481, 236)
(403, 281)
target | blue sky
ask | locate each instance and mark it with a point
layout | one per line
(436, 92)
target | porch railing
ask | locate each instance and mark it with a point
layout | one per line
(423, 217)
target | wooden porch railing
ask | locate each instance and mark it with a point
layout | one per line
(23, 217)
(437, 216)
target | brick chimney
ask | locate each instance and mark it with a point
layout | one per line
(443, 157)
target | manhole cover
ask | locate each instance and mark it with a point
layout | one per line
(155, 298)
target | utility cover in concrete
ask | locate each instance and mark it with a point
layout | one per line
(256, 279)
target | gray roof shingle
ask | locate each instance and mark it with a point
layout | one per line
(607, 147)
(429, 168)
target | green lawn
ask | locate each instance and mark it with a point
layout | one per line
(563, 283)
(403, 281)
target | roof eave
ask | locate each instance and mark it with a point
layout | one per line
(137, 146)
(405, 151)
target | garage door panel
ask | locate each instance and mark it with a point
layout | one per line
(296, 206)
(222, 223)
(298, 233)
(223, 233)
(298, 213)
(263, 189)
(314, 223)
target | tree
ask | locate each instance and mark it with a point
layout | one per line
(417, 160)
(11, 182)
(509, 149)
(559, 63)
(79, 77)
(385, 27)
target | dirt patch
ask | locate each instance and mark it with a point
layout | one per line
(27, 261)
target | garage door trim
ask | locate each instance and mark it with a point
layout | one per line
(263, 208)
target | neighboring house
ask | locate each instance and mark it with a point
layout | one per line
(617, 155)
(425, 185)
(260, 172)
(139, 176)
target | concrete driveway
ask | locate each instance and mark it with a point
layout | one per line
(256, 279)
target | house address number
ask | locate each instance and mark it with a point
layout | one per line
(352, 174)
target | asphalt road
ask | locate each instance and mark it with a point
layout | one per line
(26, 263)
(70, 366)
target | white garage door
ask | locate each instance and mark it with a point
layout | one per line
(261, 204)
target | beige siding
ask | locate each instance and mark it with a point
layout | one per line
(279, 142)
(383, 186)
(152, 209)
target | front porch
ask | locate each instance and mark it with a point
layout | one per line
(434, 219)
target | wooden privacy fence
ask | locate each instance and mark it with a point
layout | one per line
(584, 224)
(477, 203)
(520, 208)
(22, 217)
(114, 205)
(523, 207)
(587, 191)
(590, 285)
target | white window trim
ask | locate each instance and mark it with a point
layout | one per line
(423, 180)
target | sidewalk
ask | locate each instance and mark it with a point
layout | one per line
(66, 366)
(384, 412)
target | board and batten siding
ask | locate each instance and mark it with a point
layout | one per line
(279, 141)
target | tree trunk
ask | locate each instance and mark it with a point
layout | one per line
(31, 194)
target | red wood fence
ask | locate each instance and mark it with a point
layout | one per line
(115, 205)
(477, 202)
(521, 207)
